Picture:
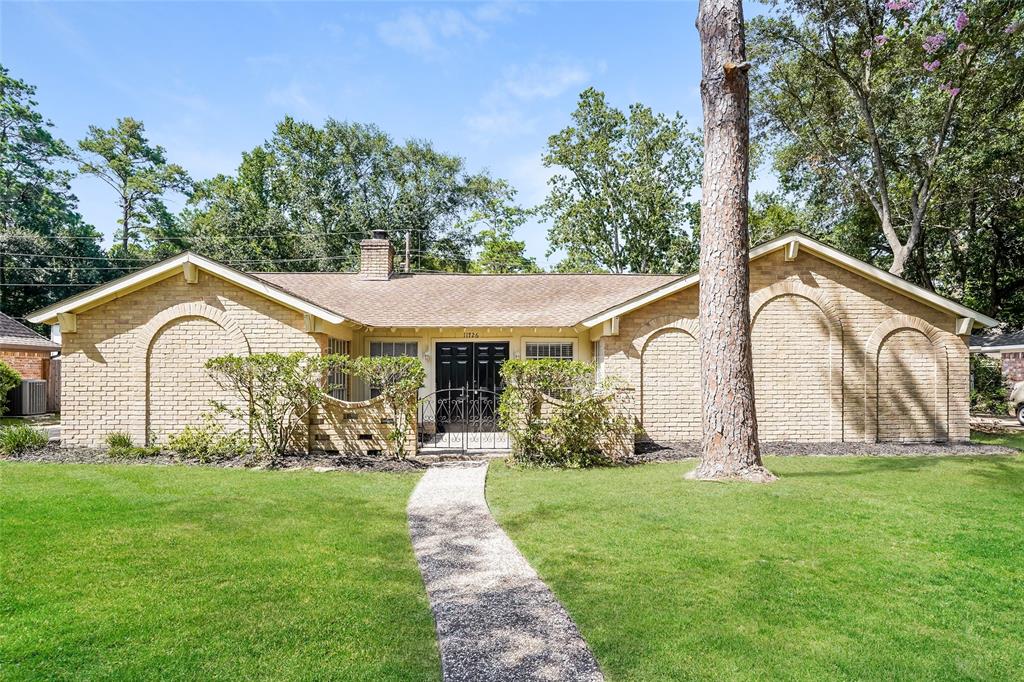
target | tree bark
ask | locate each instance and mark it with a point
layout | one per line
(729, 447)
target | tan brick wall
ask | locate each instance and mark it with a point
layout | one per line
(357, 427)
(30, 364)
(105, 362)
(670, 387)
(791, 339)
(858, 314)
(906, 379)
(177, 358)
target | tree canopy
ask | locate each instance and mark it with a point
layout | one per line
(869, 108)
(310, 194)
(621, 199)
(45, 246)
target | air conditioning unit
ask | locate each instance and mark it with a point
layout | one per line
(27, 398)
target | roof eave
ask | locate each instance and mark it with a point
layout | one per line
(147, 275)
(824, 251)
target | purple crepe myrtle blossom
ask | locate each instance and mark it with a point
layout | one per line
(949, 89)
(865, 54)
(881, 40)
(961, 48)
(961, 22)
(1012, 28)
(932, 44)
(931, 66)
(897, 5)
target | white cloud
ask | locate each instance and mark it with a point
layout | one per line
(543, 80)
(501, 122)
(425, 32)
(502, 110)
(295, 99)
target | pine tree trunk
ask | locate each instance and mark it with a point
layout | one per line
(729, 448)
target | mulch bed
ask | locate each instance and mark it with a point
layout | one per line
(670, 452)
(317, 461)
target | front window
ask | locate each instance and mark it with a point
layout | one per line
(337, 378)
(549, 350)
(392, 349)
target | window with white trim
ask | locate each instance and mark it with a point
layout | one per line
(337, 378)
(392, 349)
(549, 350)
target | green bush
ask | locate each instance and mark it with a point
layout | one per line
(557, 413)
(273, 393)
(989, 392)
(17, 438)
(119, 439)
(209, 442)
(398, 379)
(121, 446)
(9, 379)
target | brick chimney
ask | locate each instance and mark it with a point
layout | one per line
(377, 257)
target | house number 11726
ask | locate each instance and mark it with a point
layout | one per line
(471, 335)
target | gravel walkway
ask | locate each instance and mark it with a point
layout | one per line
(496, 619)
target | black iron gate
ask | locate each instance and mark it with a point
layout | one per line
(460, 420)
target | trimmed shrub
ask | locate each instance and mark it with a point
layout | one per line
(209, 442)
(276, 393)
(18, 438)
(121, 446)
(9, 379)
(557, 413)
(399, 380)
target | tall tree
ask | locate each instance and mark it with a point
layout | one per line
(496, 221)
(865, 101)
(622, 202)
(138, 172)
(42, 235)
(310, 193)
(729, 447)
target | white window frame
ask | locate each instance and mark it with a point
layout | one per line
(370, 390)
(550, 342)
(336, 377)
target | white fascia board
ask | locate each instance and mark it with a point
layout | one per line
(826, 252)
(253, 284)
(881, 276)
(640, 301)
(995, 349)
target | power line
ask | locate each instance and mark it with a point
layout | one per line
(256, 235)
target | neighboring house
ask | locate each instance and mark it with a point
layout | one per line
(1007, 348)
(842, 350)
(32, 356)
(24, 350)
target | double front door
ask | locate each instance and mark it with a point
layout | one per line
(468, 381)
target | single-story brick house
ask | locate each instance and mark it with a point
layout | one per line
(842, 350)
(24, 350)
(1007, 348)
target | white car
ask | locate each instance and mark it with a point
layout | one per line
(1017, 402)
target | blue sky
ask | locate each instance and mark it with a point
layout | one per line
(488, 82)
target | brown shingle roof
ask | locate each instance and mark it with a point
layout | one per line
(14, 333)
(459, 300)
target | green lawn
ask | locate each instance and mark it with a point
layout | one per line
(1015, 440)
(848, 568)
(140, 572)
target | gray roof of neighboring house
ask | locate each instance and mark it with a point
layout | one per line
(996, 341)
(14, 333)
(463, 300)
